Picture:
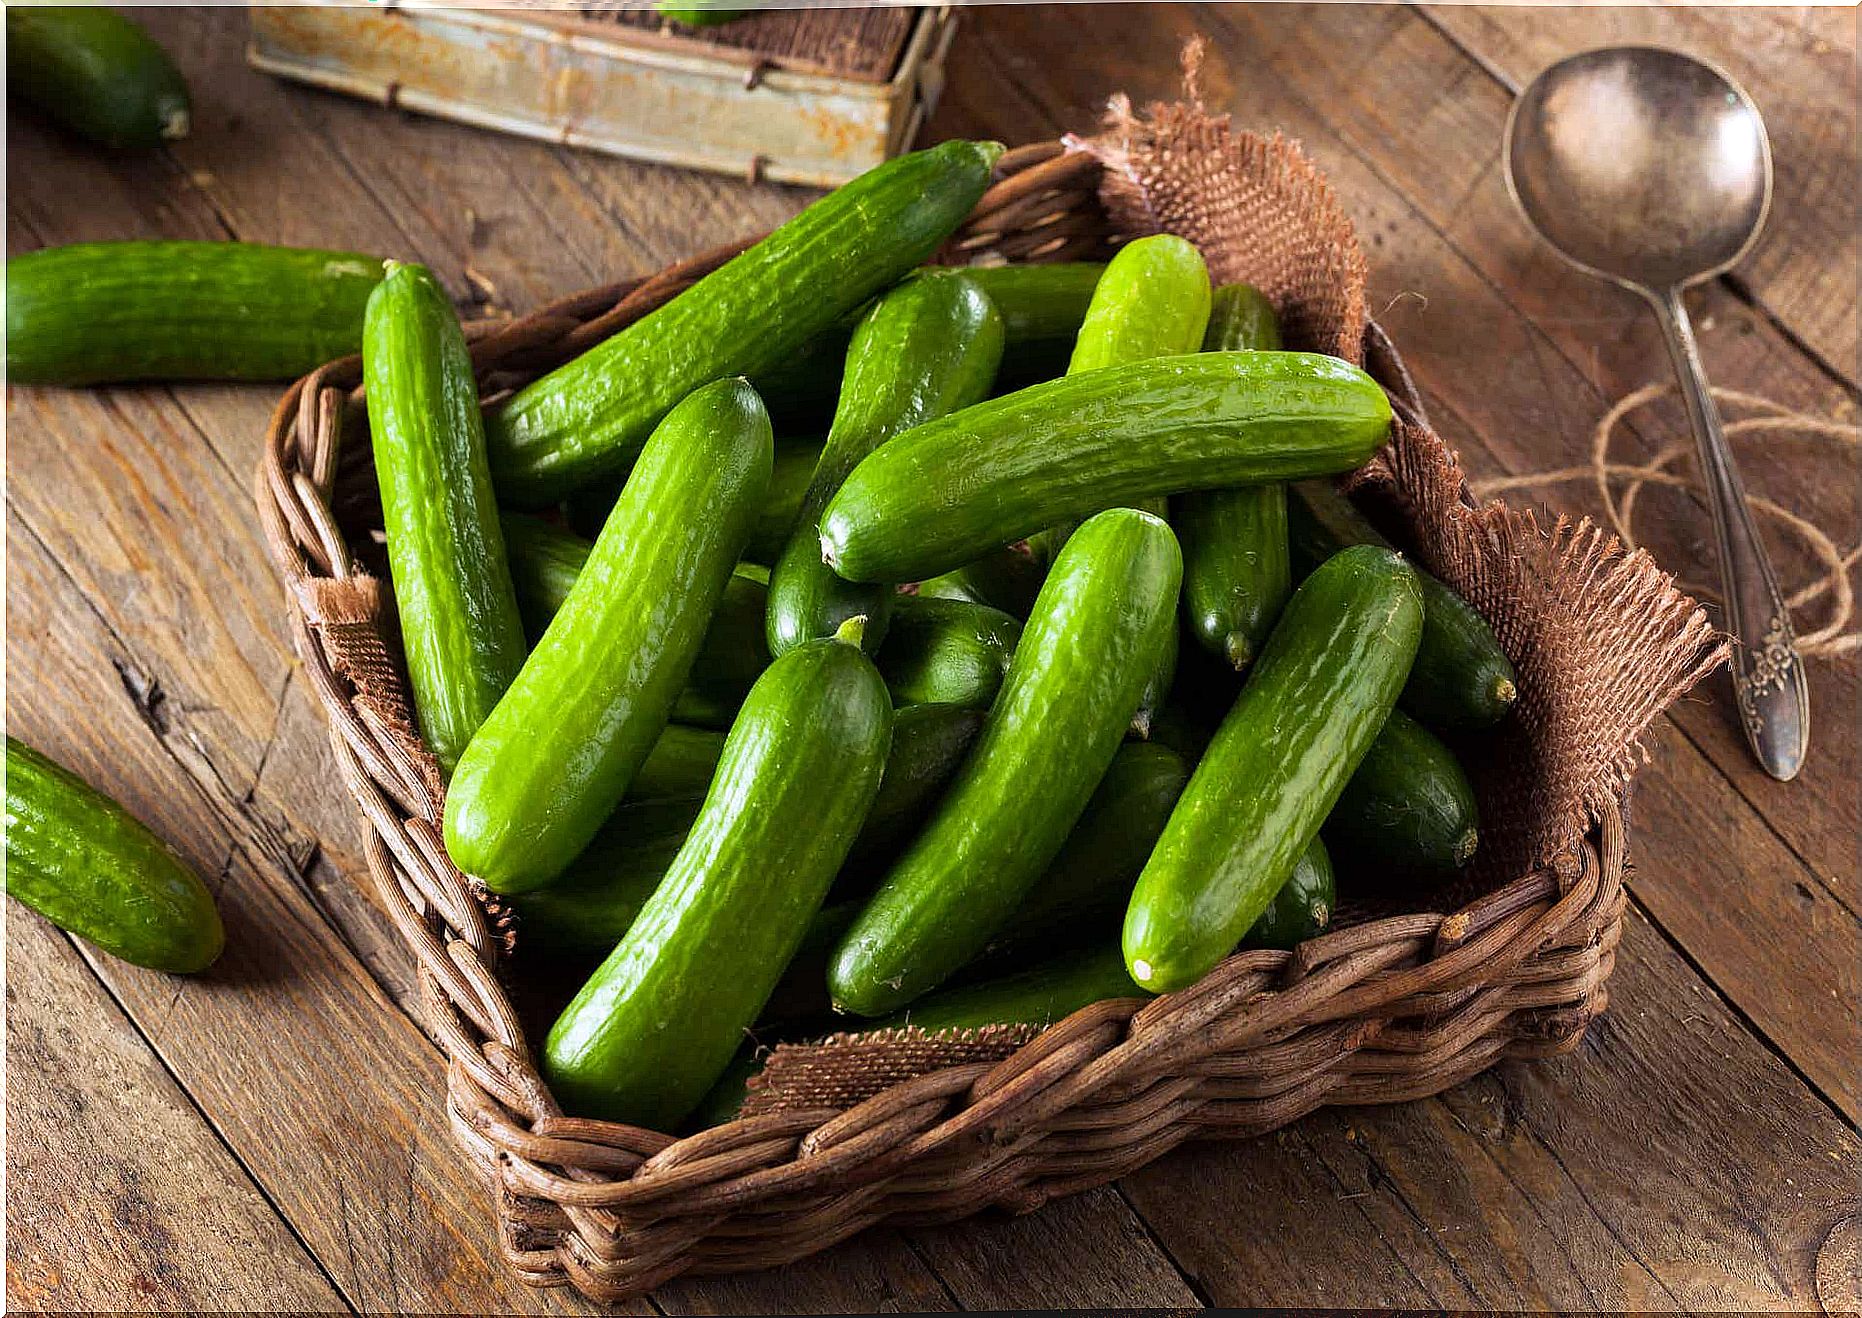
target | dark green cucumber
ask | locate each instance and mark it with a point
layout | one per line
(928, 347)
(731, 657)
(1090, 643)
(953, 489)
(460, 628)
(1302, 908)
(1323, 686)
(1462, 679)
(97, 312)
(97, 73)
(1038, 303)
(655, 1026)
(1408, 812)
(1236, 577)
(561, 748)
(87, 865)
(587, 419)
(928, 743)
(947, 652)
(1007, 579)
(580, 917)
(680, 764)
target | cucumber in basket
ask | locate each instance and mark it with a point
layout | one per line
(87, 865)
(562, 747)
(97, 73)
(928, 347)
(681, 764)
(1408, 811)
(1303, 907)
(1092, 641)
(928, 743)
(1007, 579)
(947, 651)
(460, 628)
(1236, 577)
(655, 1026)
(97, 312)
(1462, 678)
(1322, 688)
(588, 418)
(950, 490)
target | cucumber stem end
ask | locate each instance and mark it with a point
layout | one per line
(853, 631)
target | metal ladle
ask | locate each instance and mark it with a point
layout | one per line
(1652, 169)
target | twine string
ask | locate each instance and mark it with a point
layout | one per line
(1835, 636)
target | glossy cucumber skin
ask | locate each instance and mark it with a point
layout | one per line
(1094, 636)
(1236, 576)
(561, 748)
(1313, 704)
(588, 418)
(97, 73)
(1462, 679)
(928, 347)
(1408, 812)
(947, 652)
(1040, 995)
(680, 765)
(90, 867)
(92, 313)
(1302, 908)
(953, 489)
(1007, 579)
(655, 1026)
(929, 742)
(460, 628)
(1038, 303)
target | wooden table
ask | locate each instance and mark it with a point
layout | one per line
(270, 1135)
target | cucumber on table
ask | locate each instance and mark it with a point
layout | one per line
(587, 419)
(1302, 908)
(1315, 700)
(950, 490)
(947, 651)
(93, 313)
(1462, 679)
(655, 1026)
(87, 865)
(460, 629)
(97, 73)
(1408, 812)
(928, 347)
(1090, 643)
(564, 744)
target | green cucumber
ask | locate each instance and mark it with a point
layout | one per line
(928, 347)
(1090, 643)
(946, 651)
(699, 15)
(953, 489)
(97, 73)
(1236, 577)
(928, 743)
(1007, 579)
(1462, 679)
(561, 748)
(588, 418)
(460, 628)
(91, 868)
(1408, 812)
(658, 1022)
(1038, 303)
(92, 313)
(680, 765)
(1302, 908)
(1317, 696)
(580, 917)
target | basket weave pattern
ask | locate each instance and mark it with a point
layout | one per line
(1381, 1011)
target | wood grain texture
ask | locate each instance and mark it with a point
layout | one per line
(860, 44)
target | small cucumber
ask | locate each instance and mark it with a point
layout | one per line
(928, 347)
(97, 73)
(680, 765)
(1007, 579)
(1302, 908)
(1462, 679)
(87, 865)
(460, 628)
(588, 418)
(1408, 812)
(945, 651)
(1038, 303)
(953, 489)
(1236, 577)
(580, 917)
(1090, 643)
(1319, 693)
(699, 15)
(655, 1026)
(93, 313)
(561, 748)
(928, 743)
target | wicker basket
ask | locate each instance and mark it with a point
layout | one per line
(1380, 1011)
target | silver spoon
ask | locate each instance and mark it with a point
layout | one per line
(1651, 169)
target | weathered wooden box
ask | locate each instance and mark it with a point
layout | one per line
(811, 96)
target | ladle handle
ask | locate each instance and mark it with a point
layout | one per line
(1768, 676)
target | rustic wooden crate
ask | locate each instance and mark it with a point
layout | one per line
(811, 96)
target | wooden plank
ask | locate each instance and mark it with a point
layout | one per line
(1799, 64)
(118, 1193)
(862, 44)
